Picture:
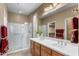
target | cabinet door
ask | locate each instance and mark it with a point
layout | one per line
(32, 47)
(54, 53)
(45, 51)
(37, 49)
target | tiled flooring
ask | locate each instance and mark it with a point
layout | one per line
(21, 53)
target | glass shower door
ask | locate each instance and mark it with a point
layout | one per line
(18, 36)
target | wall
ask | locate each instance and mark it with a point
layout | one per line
(3, 14)
(35, 24)
(69, 28)
(17, 18)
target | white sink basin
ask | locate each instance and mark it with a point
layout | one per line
(54, 43)
(49, 41)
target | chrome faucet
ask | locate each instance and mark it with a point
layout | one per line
(62, 43)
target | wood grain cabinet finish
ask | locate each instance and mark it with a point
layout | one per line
(32, 48)
(37, 49)
(54, 53)
(40, 50)
(45, 51)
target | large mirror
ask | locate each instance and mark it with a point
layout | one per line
(70, 31)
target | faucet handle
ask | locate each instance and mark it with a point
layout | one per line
(62, 43)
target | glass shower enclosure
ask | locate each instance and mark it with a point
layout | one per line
(18, 36)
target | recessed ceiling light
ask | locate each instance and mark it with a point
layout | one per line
(20, 11)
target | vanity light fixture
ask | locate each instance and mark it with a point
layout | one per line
(48, 8)
(75, 11)
(51, 7)
(55, 4)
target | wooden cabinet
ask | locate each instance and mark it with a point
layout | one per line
(32, 47)
(54, 53)
(45, 51)
(37, 49)
(40, 50)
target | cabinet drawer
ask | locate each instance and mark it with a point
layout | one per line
(54, 53)
(46, 50)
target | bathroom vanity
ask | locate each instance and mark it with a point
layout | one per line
(40, 50)
(49, 47)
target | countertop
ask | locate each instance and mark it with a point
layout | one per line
(68, 50)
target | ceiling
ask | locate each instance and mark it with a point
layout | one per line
(23, 8)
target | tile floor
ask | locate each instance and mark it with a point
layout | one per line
(21, 53)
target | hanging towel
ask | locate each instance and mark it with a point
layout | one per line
(75, 30)
(60, 33)
(4, 41)
(0, 42)
(0, 39)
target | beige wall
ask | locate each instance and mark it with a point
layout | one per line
(3, 14)
(59, 17)
(17, 18)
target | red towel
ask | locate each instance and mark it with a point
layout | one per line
(75, 26)
(60, 33)
(4, 40)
